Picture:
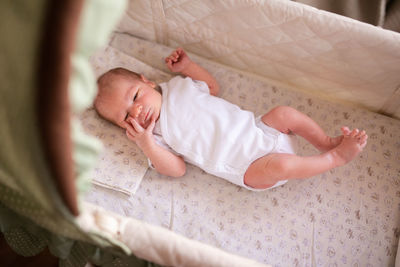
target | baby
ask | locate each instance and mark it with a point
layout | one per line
(184, 120)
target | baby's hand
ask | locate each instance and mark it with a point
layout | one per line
(178, 60)
(138, 134)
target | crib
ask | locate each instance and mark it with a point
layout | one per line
(263, 54)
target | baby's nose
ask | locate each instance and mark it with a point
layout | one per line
(137, 110)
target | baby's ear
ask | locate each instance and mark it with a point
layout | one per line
(145, 80)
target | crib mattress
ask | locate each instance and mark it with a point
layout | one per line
(348, 216)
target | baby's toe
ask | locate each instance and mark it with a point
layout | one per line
(363, 138)
(345, 130)
(363, 144)
(354, 133)
(360, 134)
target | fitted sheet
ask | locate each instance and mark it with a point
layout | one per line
(347, 216)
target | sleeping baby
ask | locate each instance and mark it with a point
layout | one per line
(183, 120)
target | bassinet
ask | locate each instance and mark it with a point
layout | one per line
(348, 216)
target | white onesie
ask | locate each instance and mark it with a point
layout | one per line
(214, 134)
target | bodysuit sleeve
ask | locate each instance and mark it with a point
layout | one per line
(201, 86)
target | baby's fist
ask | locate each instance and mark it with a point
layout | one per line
(177, 61)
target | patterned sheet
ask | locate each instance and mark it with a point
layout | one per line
(121, 164)
(348, 216)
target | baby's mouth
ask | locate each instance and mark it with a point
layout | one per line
(148, 114)
(144, 117)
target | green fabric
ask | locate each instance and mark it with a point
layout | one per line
(22, 163)
(32, 215)
(98, 19)
(97, 22)
(25, 182)
(85, 154)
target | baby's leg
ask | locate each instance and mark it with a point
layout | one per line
(267, 170)
(289, 120)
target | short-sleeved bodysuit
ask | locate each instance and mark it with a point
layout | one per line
(214, 134)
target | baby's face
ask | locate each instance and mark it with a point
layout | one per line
(134, 99)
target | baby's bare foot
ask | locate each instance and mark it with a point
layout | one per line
(352, 144)
(345, 130)
(333, 142)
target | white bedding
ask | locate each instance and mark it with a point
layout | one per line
(346, 217)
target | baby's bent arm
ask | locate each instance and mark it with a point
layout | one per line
(163, 160)
(178, 61)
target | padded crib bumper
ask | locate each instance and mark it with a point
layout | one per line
(157, 244)
(308, 49)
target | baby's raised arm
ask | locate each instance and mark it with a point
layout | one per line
(179, 62)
